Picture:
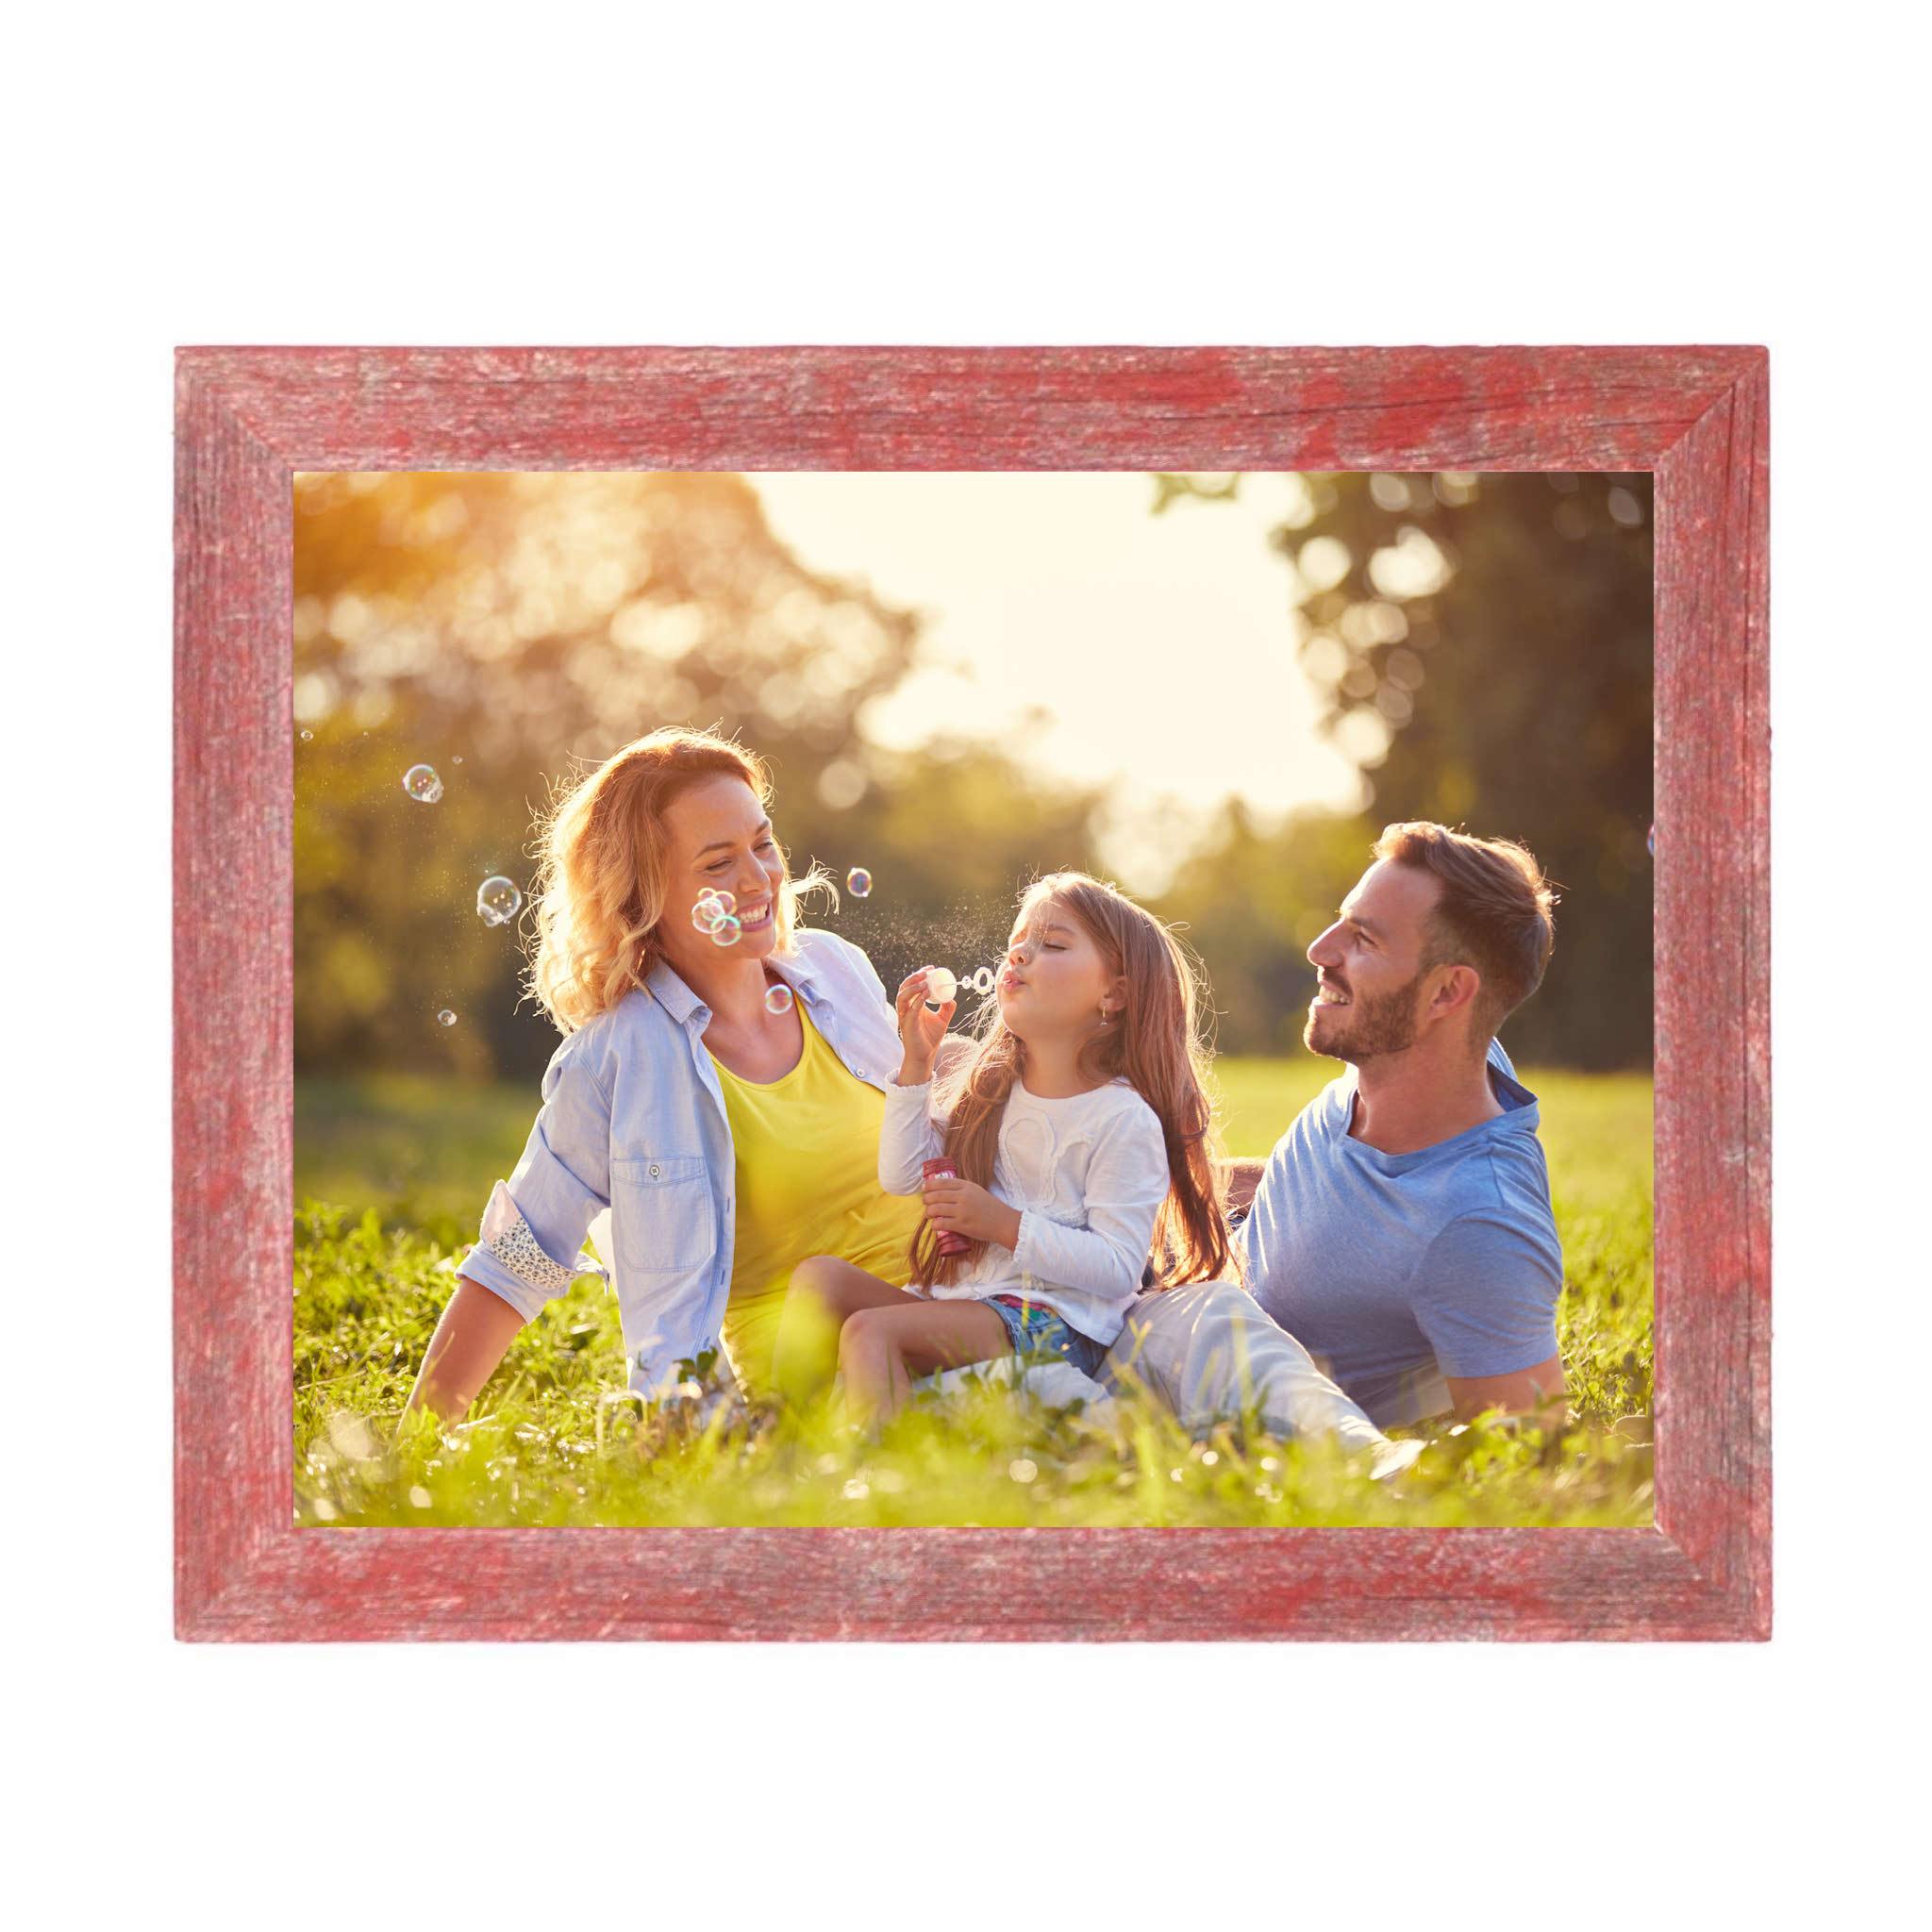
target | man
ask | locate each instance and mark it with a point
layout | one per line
(1401, 1231)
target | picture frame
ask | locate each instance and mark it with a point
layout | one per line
(248, 419)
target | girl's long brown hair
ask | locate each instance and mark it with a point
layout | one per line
(1156, 1040)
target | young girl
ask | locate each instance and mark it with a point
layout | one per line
(1077, 1128)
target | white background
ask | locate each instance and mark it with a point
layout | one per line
(358, 174)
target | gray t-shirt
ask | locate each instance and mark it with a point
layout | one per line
(1394, 1269)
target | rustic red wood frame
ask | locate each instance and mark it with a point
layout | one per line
(247, 419)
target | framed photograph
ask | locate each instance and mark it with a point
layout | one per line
(653, 768)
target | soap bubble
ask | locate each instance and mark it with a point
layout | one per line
(859, 882)
(498, 901)
(421, 784)
(446, 1018)
(982, 981)
(727, 931)
(456, 761)
(941, 984)
(1652, 841)
(711, 907)
(779, 1000)
(308, 736)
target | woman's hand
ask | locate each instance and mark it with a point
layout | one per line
(964, 1208)
(920, 1031)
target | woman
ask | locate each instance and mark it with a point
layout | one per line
(722, 1099)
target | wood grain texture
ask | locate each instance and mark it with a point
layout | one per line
(248, 419)
(1714, 979)
(810, 408)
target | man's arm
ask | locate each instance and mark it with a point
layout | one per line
(1539, 1393)
(1485, 1295)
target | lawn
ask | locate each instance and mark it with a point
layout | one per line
(391, 1173)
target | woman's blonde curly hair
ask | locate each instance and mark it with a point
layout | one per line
(601, 888)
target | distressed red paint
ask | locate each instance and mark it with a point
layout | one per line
(247, 418)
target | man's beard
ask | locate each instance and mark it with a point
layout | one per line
(1374, 1025)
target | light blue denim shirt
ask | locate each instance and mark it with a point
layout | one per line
(632, 1147)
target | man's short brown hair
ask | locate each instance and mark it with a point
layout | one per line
(1494, 913)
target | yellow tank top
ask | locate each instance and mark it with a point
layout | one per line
(806, 1151)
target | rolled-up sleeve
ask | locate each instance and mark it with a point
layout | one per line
(527, 1247)
(1126, 1182)
(908, 1138)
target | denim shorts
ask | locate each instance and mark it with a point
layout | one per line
(1039, 1333)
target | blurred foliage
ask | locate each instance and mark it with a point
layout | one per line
(1482, 642)
(1484, 645)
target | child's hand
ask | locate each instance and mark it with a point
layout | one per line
(920, 1032)
(964, 1208)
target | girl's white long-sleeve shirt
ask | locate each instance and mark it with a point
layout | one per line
(1087, 1174)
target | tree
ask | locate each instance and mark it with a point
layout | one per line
(1484, 644)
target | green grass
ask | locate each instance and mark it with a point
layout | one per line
(406, 1165)
(422, 1152)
